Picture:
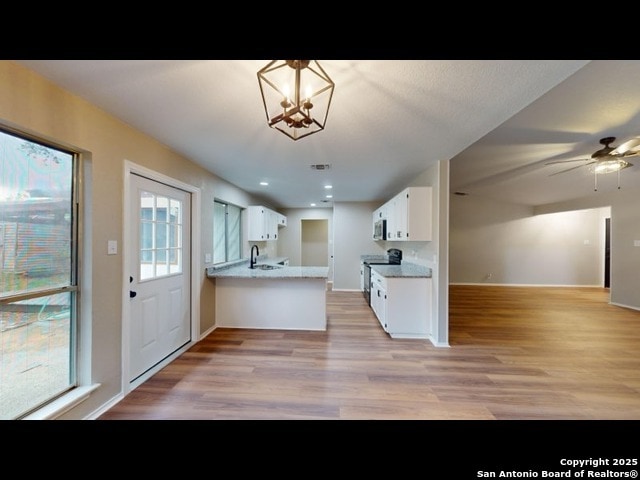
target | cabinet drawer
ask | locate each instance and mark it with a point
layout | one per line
(377, 279)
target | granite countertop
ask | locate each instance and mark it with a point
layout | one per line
(242, 270)
(408, 270)
(374, 257)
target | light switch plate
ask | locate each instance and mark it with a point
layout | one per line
(207, 258)
(112, 247)
(636, 243)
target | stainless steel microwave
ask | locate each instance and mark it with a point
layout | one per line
(380, 230)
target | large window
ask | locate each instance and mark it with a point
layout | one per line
(38, 281)
(227, 234)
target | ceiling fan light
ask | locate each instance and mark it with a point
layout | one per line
(610, 166)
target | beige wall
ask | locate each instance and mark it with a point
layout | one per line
(545, 244)
(502, 243)
(625, 231)
(352, 236)
(33, 105)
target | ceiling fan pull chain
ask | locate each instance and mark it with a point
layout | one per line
(619, 179)
(595, 182)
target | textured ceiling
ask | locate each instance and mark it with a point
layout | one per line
(389, 120)
(600, 100)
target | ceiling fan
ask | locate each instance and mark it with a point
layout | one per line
(606, 160)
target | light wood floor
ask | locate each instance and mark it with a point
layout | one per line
(515, 353)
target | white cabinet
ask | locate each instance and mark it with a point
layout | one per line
(402, 305)
(272, 225)
(380, 213)
(263, 223)
(392, 221)
(379, 299)
(409, 215)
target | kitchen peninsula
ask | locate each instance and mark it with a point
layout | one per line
(270, 296)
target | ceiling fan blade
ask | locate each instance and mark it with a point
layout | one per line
(567, 161)
(569, 169)
(629, 148)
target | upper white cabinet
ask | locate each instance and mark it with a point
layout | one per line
(409, 215)
(380, 213)
(263, 223)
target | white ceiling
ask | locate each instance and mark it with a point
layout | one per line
(498, 121)
(600, 100)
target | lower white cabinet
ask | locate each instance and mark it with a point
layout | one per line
(402, 305)
(379, 299)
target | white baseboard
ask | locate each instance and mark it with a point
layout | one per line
(207, 332)
(624, 306)
(105, 407)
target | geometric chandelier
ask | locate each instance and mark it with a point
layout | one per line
(296, 96)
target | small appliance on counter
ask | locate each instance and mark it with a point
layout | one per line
(394, 257)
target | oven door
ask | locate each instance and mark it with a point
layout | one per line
(367, 283)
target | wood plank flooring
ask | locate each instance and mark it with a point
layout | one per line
(515, 353)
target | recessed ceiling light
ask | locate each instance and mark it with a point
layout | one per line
(329, 196)
(328, 187)
(313, 204)
(264, 183)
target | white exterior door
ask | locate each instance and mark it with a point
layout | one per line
(160, 316)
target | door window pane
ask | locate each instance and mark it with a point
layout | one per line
(160, 234)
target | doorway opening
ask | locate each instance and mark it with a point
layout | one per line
(314, 243)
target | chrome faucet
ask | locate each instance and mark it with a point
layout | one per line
(254, 260)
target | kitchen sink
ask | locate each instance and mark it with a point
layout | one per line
(265, 266)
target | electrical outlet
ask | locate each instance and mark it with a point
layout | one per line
(207, 258)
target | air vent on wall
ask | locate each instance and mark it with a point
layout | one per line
(321, 166)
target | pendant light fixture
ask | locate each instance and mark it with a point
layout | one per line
(296, 96)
